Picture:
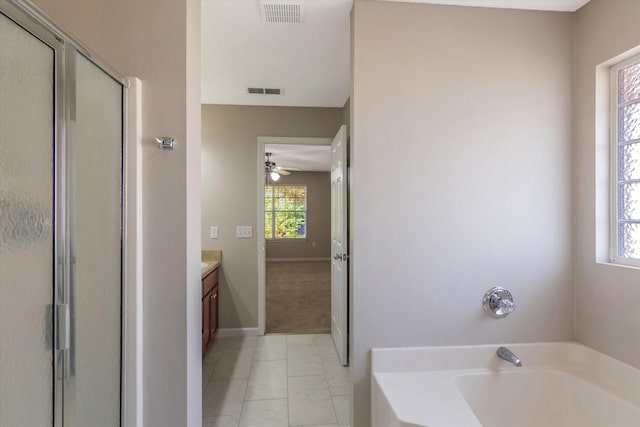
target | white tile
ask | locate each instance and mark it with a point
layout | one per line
(303, 350)
(213, 354)
(341, 406)
(236, 342)
(218, 344)
(310, 401)
(232, 369)
(268, 380)
(207, 371)
(265, 413)
(275, 340)
(339, 386)
(277, 380)
(265, 370)
(220, 421)
(333, 369)
(237, 353)
(270, 352)
(273, 389)
(234, 363)
(224, 398)
(306, 386)
(323, 339)
(328, 351)
(311, 410)
(303, 366)
(308, 339)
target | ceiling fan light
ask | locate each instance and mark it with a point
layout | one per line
(274, 176)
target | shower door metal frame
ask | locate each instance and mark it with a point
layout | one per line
(65, 48)
(25, 21)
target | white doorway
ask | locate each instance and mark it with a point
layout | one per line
(264, 142)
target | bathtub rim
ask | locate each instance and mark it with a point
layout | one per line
(568, 354)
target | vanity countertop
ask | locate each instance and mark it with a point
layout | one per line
(213, 259)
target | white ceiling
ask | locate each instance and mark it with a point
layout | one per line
(557, 5)
(308, 158)
(308, 61)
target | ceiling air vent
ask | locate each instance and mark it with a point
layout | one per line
(264, 91)
(282, 11)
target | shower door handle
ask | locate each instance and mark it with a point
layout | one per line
(63, 331)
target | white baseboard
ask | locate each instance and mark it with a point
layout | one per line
(237, 332)
(297, 259)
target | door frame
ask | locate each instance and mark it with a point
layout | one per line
(261, 241)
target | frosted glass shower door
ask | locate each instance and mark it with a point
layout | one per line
(95, 223)
(27, 72)
(61, 229)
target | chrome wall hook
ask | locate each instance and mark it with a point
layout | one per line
(166, 142)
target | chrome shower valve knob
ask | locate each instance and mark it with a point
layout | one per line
(498, 302)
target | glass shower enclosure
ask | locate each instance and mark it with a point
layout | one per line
(61, 227)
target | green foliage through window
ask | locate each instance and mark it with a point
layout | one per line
(285, 211)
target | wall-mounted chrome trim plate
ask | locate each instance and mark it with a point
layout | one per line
(166, 142)
(498, 302)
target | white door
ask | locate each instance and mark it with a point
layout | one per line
(339, 244)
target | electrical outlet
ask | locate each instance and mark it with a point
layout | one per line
(244, 232)
(213, 232)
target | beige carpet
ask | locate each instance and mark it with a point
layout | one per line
(298, 297)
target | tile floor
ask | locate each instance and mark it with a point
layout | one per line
(274, 381)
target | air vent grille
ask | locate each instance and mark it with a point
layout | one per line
(264, 91)
(282, 11)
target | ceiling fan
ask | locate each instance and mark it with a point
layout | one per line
(274, 171)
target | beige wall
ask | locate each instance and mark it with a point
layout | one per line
(158, 41)
(318, 241)
(607, 296)
(478, 119)
(469, 111)
(230, 190)
(346, 115)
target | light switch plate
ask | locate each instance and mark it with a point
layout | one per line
(213, 232)
(244, 232)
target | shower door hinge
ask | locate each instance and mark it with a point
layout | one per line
(62, 327)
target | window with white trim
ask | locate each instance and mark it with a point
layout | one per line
(625, 156)
(285, 211)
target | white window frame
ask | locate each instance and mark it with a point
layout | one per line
(273, 216)
(614, 127)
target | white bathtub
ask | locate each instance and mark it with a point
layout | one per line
(559, 385)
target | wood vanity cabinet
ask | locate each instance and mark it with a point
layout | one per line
(209, 309)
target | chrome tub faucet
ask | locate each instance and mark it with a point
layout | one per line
(505, 354)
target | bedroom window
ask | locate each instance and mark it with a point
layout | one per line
(285, 211)
(625, 156)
